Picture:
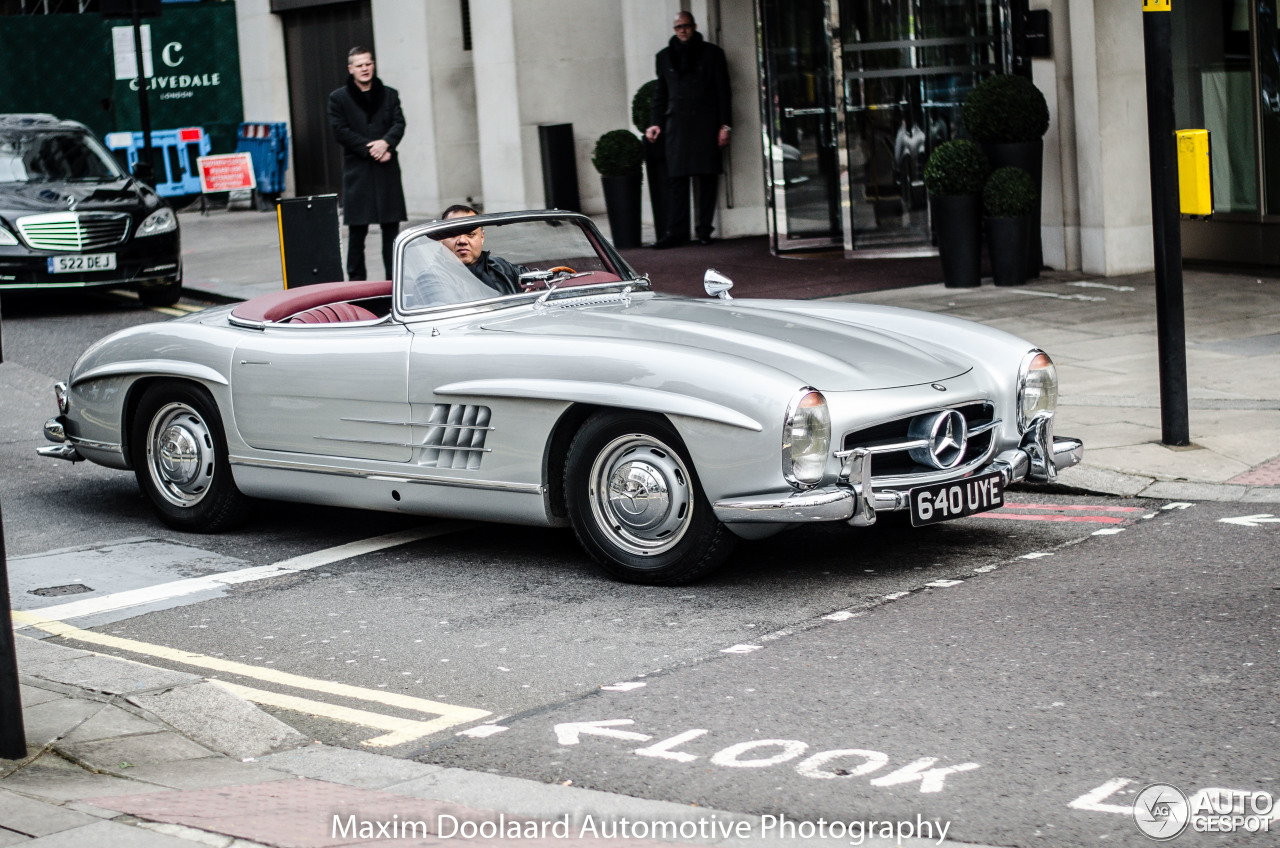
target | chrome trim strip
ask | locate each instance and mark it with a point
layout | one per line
(414, 424)
(817, 505)
(365, 441)
(63, 451)
(110, 447)
(456, 482)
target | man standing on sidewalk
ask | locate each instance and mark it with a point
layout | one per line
(367, 122)
(691, 111)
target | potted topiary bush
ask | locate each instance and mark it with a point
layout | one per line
(954, 177)
(618, 157)
(1008, 200)
(655, 160)
(1008, 116)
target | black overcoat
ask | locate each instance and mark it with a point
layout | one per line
(690, 104)
(371, 191)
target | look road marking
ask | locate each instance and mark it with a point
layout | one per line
(192, 585)
(398, 730)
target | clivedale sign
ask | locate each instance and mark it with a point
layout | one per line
(178, 86)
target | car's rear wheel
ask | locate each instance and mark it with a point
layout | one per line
(180, 459)
(635, 502)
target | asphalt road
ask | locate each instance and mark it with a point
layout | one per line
(1019, 678)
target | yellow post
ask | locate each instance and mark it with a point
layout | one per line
(1195, 179)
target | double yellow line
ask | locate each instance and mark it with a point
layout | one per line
(397, 731)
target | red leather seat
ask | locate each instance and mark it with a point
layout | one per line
(333, 313)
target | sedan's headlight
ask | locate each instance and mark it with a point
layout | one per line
(7, 238)
(806, 439)
(1037, 388)
(160, 221)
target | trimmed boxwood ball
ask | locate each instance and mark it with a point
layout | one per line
(1005, 108)
(641, 105)
(618, 153)
(1009, 193)
(956, 167)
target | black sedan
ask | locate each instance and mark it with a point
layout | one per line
(70, 217)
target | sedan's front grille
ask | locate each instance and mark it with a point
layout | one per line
(74, 232)
(890, 441)
(455, 436)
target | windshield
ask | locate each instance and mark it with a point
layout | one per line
(511, 257)
(62, 155)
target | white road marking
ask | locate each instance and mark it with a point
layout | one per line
(449, 715)
(1108, 286)
(731, 757)
(1086, 298)
(842, 615)
(1036, 555)
(1178, 505)
(623, 687)
(569, 733)
(943, 584)
(663, 750)
(1092, 801)
(984, 569)
(193, 585)
(482, 731)
(1108, 531)
(930, 778)
(895, 595)
(1251, 520)
(741, 649)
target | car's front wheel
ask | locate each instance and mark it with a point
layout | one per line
(635, 502)
(180, 459)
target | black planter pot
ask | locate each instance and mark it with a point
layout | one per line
(1029, 156)
(622, 201)
(957, 225)
(655, 165)
(1007, 246)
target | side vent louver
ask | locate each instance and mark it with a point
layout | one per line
(455, 436)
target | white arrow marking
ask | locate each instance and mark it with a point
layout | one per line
(568, 733)
(1178, 505)
(1092, 801)
(1251, 520)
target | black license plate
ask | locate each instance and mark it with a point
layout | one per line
(945, 501)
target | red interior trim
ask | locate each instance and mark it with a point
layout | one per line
(279, 305)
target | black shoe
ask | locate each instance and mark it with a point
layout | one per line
(704, 240)
(664, 243)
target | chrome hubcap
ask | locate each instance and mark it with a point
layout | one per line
(641, 495)
(180, 456)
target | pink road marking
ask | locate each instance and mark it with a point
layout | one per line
(1074, 506)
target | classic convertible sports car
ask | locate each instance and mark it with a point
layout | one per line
(660, 428)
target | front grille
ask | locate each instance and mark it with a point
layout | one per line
(74, 232)
(455, 436)
(890, 460)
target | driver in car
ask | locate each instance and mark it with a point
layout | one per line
(494, 271)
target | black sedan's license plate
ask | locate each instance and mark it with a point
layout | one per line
(945, 501)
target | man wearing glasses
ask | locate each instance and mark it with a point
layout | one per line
(691, 113)
(494, 271)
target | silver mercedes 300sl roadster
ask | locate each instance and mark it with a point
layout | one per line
(660, 428)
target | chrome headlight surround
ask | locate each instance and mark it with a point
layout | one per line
(160, 221)
(806, 439)
(63, 396)
(1037, 389)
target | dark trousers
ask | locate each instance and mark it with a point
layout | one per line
(355, 249)
(704, 198)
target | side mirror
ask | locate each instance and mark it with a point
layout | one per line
(717, 284)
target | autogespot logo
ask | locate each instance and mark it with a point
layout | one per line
(1161, 811)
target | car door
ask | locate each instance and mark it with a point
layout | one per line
(325, 389)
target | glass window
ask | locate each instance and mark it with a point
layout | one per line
(1213, 90)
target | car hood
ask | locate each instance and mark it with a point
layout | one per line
(826, 353)
(37, 197)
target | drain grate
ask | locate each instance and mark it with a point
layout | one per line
(58, 591)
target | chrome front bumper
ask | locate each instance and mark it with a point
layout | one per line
(853, 499)
(62, 449)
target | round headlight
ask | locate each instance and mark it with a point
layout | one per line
(1037, 388)
(160, 221)
(806, 439)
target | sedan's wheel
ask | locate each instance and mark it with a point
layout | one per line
(180, 459)
(635, 502)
